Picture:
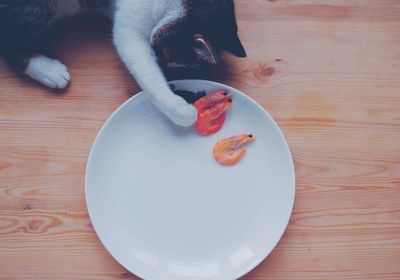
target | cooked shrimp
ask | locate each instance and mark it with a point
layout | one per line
(230, 150)
(211, 111)
(210, 99)
(211, 120)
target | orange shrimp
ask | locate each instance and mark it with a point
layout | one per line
(210, 99)
(211, 109)
(211, 120)
(230, 150)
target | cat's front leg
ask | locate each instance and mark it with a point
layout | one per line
(43, 69)
(48, 71)
(137, 54)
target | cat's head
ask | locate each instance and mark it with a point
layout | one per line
(208, 28)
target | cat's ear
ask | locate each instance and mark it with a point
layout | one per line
(233, 45)
(204, 50)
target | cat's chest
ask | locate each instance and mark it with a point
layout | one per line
(65, 8)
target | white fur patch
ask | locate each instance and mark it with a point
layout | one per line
(49, 72)
(134, 24)
(174, 11)
(176, 109)
(67, 8)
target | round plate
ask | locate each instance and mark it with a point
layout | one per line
(165, 209)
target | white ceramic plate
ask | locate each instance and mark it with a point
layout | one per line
(165, 209)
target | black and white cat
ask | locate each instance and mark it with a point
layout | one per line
(146, 33)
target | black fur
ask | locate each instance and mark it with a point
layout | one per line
(22, 24)
(25, 23)
(215, 19)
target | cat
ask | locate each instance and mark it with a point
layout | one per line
(147, 34)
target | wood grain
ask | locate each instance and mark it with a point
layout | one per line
(327, 71)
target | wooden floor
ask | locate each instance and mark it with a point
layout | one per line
(327, 71)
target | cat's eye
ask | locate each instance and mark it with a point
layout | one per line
(205, 48)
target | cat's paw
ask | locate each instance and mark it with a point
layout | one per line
(47, 71)
(178, 110)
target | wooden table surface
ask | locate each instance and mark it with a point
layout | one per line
(327, 71)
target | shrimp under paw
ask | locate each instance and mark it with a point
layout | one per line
(211, 111)
(230, 150)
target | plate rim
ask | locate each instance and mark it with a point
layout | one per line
(263, 256)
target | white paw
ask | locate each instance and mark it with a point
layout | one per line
(49, 72)
(178, 110)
